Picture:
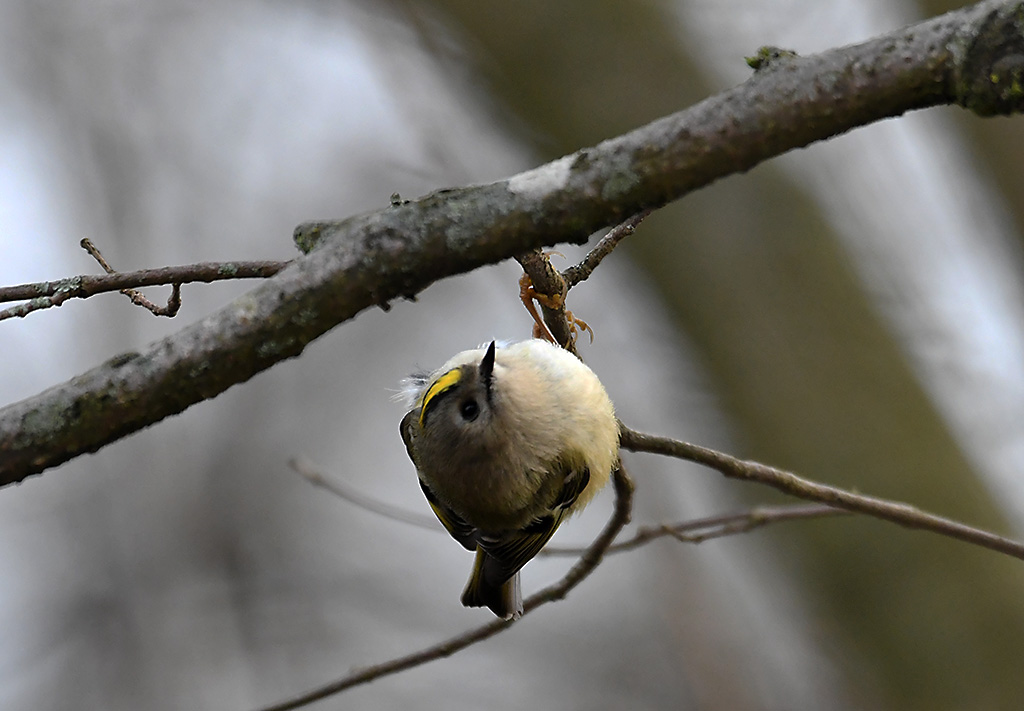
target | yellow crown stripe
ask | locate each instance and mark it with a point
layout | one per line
(444, 383)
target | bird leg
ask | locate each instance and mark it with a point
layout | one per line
(528, 295)
(555, 302)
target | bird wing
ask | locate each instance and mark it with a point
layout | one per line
(453, 523)
(405, 428)
(459, 529)
(508, 552)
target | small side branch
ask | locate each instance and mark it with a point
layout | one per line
(704, 529)
(134, 295)
(580, 272)
(43, 295)
(789, 483)
(311, 473)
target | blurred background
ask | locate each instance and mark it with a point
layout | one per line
(853, 311)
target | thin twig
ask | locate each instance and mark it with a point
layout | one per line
(94, 252)
(580, 272)
(134, 295)
(704, 529)
(789, 483)
(64, 290)
(43, 295)
(314, 475)
(583, 567)
(88, 285)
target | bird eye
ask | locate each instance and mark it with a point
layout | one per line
(469, 409)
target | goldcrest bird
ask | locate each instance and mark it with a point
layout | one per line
(508, 441)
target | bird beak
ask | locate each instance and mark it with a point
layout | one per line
(487, 368)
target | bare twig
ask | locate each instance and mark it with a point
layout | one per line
(704, 529)
(315, 476)
(94, 252)
(789, 483)
(134, 295)
(43, 295)
(583, 567)
(64, 290)
(169, 310)
(87, 285)
(580, 272)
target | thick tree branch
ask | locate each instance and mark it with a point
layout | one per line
(971, 57)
